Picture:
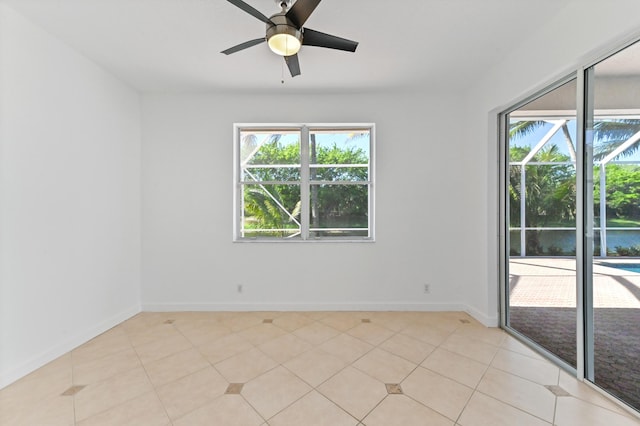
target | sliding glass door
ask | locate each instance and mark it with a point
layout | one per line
(541, 220)
(570, 215)
(612, 215)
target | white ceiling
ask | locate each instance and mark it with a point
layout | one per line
(174, 45)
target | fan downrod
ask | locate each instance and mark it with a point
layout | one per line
(284, 4)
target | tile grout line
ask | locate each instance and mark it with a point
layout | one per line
(555, 403)
(252, 407)
(492, 397)
(506, 403)
(102, 381)
(155, 391)
(475, 388)
(294, 374)
(374, 407)
(288, 406)
(278, 364)
(420, 366)
(315, 388)
(72, 384)
(513, 406)
(196, 348)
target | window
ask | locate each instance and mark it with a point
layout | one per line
(303, 182)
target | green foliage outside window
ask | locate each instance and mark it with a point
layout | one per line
(277, 206)
(623, 191)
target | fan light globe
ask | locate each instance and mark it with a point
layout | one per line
(284, 44)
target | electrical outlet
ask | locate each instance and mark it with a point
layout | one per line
(427, 288)
(240, 288)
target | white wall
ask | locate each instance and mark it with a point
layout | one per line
(190, 262)
(580, 33)
(70, 194)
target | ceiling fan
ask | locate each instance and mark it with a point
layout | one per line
(285, 32)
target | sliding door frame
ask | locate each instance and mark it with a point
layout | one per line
(583, 73)
(503, 225)
(582, 267)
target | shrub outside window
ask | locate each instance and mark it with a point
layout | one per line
(303, 182)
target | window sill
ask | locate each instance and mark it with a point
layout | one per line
(300, 241)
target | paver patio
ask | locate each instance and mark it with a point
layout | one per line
(542, 302)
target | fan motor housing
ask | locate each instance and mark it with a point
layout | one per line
(282, 25)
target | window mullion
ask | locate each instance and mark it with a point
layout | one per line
(238, 193)
(304, 182)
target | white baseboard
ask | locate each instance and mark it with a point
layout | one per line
(311, 306)
(17, 372)
(487, 321)
(337, 306)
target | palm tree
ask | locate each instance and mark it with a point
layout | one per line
(550, 193)
(608, 134)
(275, 206)
(265, 209)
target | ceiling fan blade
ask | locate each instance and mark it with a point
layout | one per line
(243, 46)
(251, 10)
(301, 10)
(316, 38)
(293, 64)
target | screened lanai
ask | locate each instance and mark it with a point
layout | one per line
(542, 173)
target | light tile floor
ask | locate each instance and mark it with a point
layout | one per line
(304, 368)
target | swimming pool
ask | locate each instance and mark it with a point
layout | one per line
(633, 267)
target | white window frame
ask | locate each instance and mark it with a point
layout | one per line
(304, 129)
